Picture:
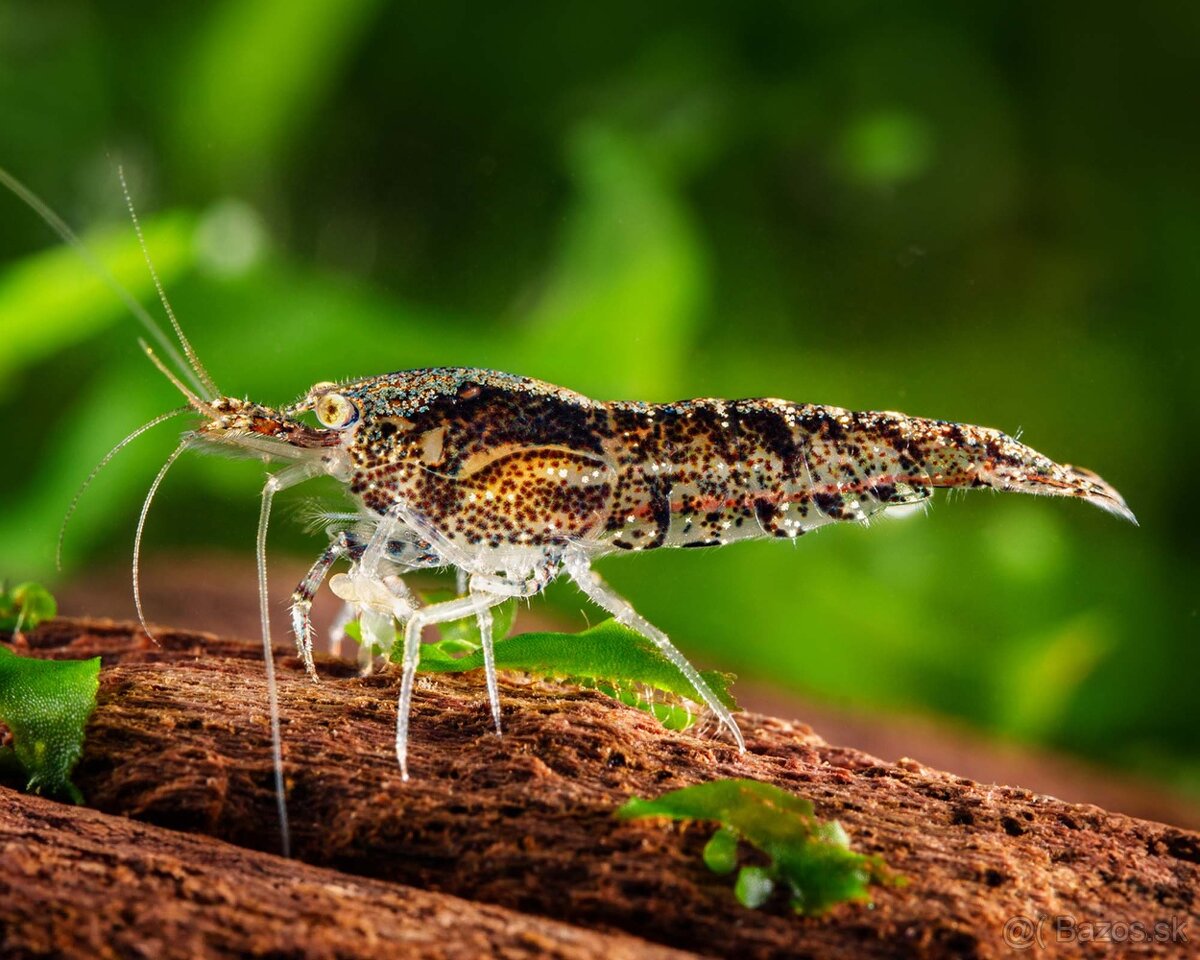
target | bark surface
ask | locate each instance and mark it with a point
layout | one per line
(78, 883)
(180, 739)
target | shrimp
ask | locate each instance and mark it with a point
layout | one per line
(514, 482)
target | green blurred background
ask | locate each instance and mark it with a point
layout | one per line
(981, 212)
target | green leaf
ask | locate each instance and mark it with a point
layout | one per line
(720, 853)
(754, 887)
(811, 859)
(609, 657)
(46, 704)
(25, 606)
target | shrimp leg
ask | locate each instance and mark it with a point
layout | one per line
(451, 610)
(579, 568)
(484, 619)
(302, 597)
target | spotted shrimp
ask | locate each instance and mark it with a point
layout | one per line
(514, 482)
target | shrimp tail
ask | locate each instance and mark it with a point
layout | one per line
(943, 454)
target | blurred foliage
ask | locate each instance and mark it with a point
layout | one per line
(984, 212)
(24, 606)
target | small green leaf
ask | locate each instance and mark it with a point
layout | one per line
(609, 657)
(832, 832)
(812, 859)
(740, 803)
(753, 887)
(720, 853)
(46, 704)
(25, 606)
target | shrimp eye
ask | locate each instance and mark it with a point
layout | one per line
(334, 410)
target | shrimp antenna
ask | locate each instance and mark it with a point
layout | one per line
(201, 405)
(59, 226)
(141, 525)
(62, 531)
(196, 366)
(260, 556)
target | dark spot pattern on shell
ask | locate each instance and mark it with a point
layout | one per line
(498, 461)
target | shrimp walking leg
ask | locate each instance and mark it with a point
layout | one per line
(484, 619)
(345, 545)
(302, 598)
(579, 569)
(536, 580)
(527, 584)
(451, 610)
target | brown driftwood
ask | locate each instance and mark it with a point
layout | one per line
(79, 883)
(180, 738)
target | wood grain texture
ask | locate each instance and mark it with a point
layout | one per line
(78, 883)
(180, 739)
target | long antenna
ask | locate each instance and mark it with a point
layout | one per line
(260, 555)
(137, 540)
(194, 360)
(202, 405)
(62, 531)
(59, 226)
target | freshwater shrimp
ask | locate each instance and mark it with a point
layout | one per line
(514, 482)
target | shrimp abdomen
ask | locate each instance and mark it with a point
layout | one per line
(707, 472)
